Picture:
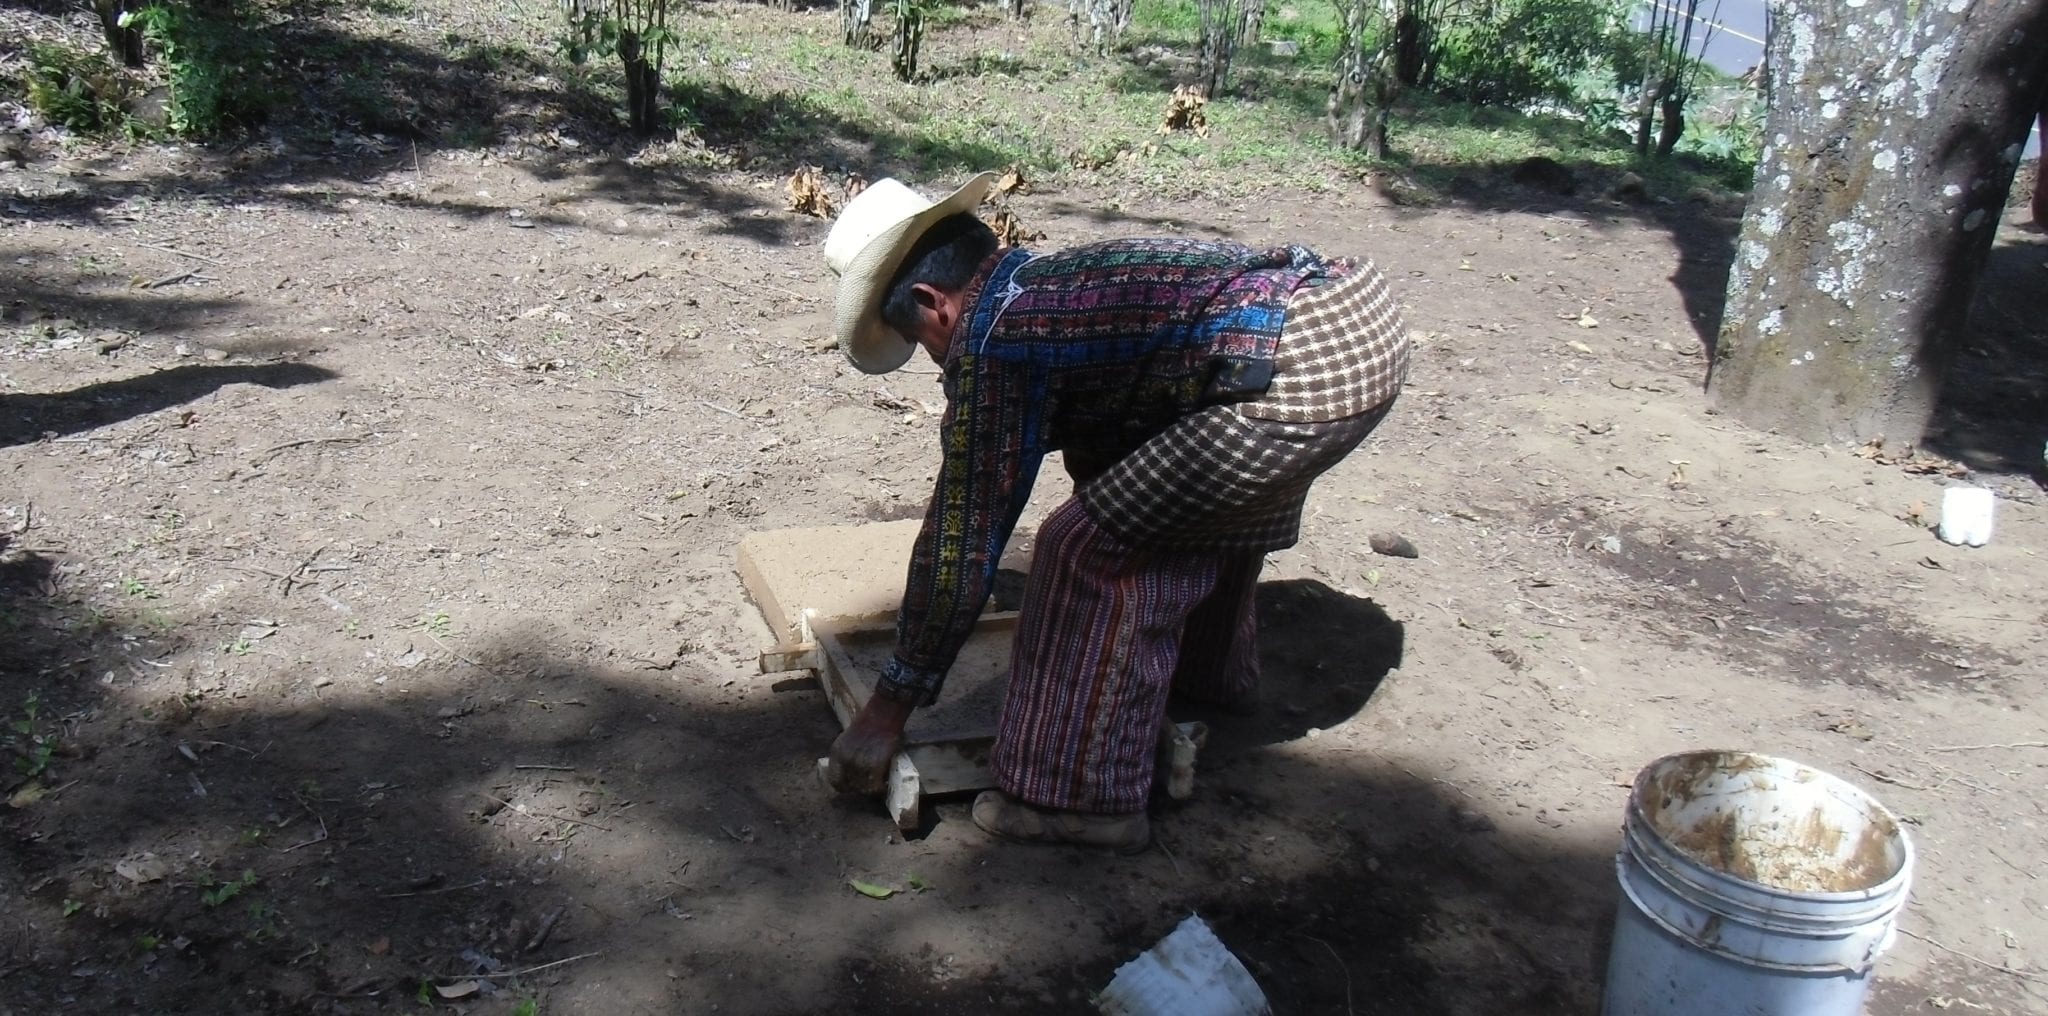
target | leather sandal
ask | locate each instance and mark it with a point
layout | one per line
(1000, 816)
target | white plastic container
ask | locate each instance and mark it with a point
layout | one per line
(1966, 515)
(1752, 885)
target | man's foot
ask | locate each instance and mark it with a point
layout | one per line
(1000, 816)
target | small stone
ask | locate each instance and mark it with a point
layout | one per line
(1392, 545)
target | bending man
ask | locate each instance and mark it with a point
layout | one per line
(1195, 390)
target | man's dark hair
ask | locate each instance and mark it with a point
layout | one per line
(946, 257)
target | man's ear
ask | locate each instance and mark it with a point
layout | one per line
(936, 306)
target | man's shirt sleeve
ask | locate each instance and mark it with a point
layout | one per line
(990, 454)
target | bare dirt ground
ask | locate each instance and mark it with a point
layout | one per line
(369, 526)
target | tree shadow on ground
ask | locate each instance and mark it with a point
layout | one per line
(30, 300)
(783, 129)
(31, 417)
(342, 837)
(1992, 410)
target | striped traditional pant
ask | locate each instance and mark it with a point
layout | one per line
(1112, 622)
(1106, 631)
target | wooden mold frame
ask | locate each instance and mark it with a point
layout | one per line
(951, 761)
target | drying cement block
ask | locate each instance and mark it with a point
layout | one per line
(849, 575)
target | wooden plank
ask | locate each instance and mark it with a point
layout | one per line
(973, 695)
(789, 656)
(836, 674)
(954, 767)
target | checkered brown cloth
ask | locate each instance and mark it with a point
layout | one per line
(1235, 477)
(1343, 350)
(1219, 480)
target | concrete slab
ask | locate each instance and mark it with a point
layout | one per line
(849, 575)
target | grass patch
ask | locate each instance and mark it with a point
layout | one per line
(774, 91)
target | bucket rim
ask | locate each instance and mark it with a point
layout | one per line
(1879, 942)
(1894, 883)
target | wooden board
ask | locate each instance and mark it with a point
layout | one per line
(973, 695)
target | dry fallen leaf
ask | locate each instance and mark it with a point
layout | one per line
(144, 867)
(460, 989)
(807, 193)
(1012, 182)
(1010, 230)
(1586, 319)
(1580, 346)
(29, 794)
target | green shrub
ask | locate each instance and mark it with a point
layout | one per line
(219, 66)
(79, 90)
(1523, 51)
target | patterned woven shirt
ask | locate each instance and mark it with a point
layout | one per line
(1094, 350)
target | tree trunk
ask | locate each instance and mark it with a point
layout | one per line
(1106, 21)
(1672, 107)
(909, 39)
(1250, 20)
(123, 41)
(1411, 45)
(643, 85)
(1892, 133)
(854, 18)
(1363, 89)
(1218, 44)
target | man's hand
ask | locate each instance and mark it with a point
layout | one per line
(859, 760)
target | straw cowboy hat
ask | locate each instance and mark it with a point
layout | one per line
(866, 247)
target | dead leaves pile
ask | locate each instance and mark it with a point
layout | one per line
(1912, 460)
(810, 193)
(1008, 227)
(1011, 182)
(1185, 111)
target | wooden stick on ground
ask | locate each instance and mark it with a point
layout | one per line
(182, 253)
(1979, 960)
(1989, 747)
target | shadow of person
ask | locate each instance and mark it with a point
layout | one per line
(30, 417)
(1322, 654)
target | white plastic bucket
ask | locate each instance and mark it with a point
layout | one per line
(1752, 885)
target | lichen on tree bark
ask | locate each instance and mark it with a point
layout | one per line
(1892, 133)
